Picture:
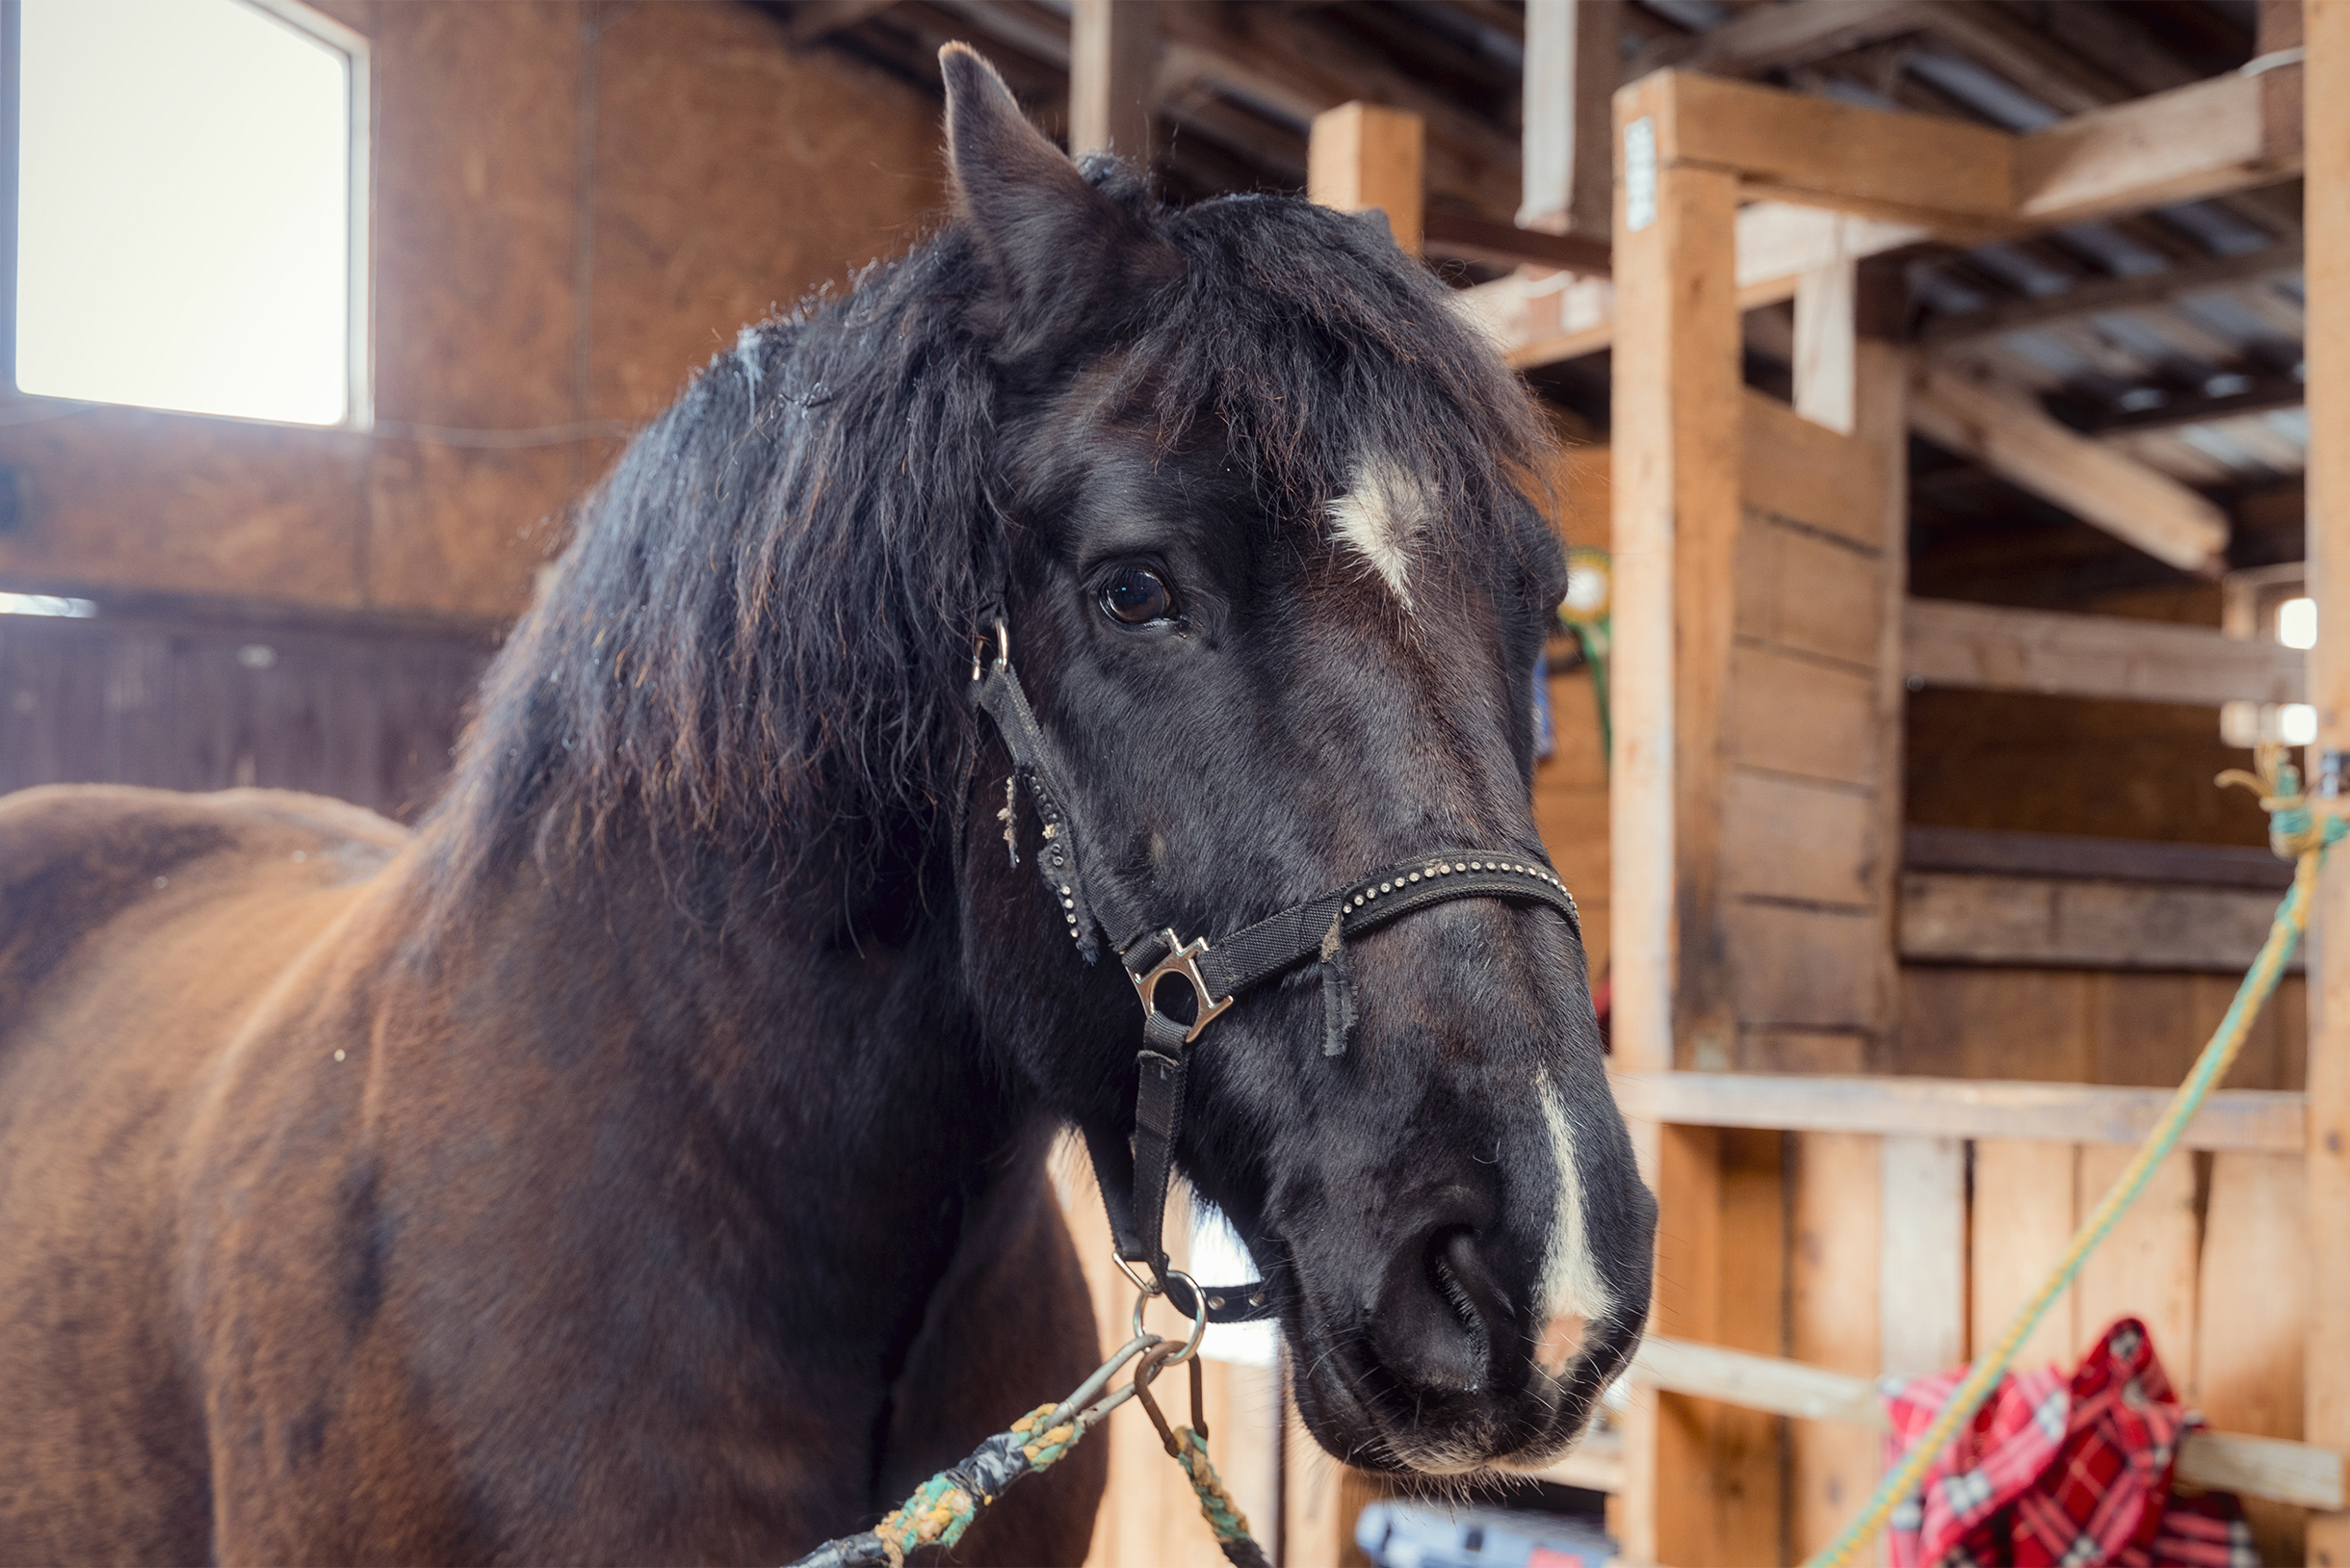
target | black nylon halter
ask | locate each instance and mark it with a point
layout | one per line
(1135, 1182)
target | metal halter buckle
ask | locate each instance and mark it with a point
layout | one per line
(1183, 958)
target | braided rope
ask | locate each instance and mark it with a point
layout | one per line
(2292, 832)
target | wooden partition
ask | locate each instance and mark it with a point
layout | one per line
(1755, 848)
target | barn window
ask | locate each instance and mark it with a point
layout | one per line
(189, 222)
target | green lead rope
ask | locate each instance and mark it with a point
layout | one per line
(943, 1507)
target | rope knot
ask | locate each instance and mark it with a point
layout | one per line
(2294, 827)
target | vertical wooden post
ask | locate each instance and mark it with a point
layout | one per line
(1571, 63)
(1114, 55)
(1825, 334)
(1674, 461)
(1360, 156)
(2326, 134)
(1676, 445)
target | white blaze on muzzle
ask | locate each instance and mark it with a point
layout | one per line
(1574, 1295)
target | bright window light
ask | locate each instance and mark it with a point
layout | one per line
(2297, 723)
(45, 603)
(185, 219)
(2297, 624)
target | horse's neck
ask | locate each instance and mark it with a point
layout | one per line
(828, 1093)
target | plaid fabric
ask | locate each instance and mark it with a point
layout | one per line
(2063, 1470)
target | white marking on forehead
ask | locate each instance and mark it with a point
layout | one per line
(1384, 509)
(1570, 1283)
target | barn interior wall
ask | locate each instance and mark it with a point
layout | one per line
(575, 205)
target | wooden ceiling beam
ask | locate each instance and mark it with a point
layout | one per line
(2012, 439)
(1771, 36)
(2113, 294)
(812, 21)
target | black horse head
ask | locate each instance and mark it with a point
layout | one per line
(1249, 498)
(1278, 595)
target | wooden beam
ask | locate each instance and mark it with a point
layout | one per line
(2111, 860)
(2065, 922)
(1825, 339)
(1766, 38)
(1946, 332)
(2190, 142)
(1114, 59)
(1571, 63)
(2018, 443)
(1676, 452)
(1915, 167)
(2307, 1475)
(813, 21)
(1363, 157)
(2252, 1120)
(1995, 648)
(1445, 232)
(2326, 1363)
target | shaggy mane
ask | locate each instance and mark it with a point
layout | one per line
(755, 649)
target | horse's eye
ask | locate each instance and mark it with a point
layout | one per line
(1134, 597)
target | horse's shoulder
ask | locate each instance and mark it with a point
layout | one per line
(71, 855)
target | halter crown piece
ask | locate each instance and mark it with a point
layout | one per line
(1096, 906)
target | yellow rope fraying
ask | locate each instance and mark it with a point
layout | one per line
(937, 1514)
(2292, 831)
(1223, 1515)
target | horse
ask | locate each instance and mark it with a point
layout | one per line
(644, 1158)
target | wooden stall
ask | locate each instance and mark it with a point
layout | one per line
(1814, 1212)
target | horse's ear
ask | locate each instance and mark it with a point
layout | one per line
(1053, 238)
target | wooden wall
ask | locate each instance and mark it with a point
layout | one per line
(366, 713)
(575, 204)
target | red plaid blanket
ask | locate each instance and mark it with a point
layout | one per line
(2056, 1470)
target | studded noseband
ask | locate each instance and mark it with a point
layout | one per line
(1096, 905)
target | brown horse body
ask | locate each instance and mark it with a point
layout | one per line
(315, 1249)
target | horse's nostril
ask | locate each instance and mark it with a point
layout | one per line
(1462, 1279)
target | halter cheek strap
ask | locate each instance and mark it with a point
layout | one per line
(1095, 905)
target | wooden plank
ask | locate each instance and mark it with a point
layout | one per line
(2146, 1267)
(1746, 1449)
(1824, 339)
(2026, 1195)
(1921, 1256)
(1794, 147)
(2251, 1120)
(1946, 332)
(1362, 156)
(812, 21)
(2253, 1311)
(1959, 917)
(2300, 1473)
(1764, 38)
(1571, 63)
(1113, 62)
(1800, 717)
(2194, 140)
(1799, 470)
(1675, 464)
(1800, 967)
(2113, 860)
(2096, 483)
(1810, 594)
(1994, 648)
(2326, 1387)
(1881, 372)
(1445, 232)
(1787, 837)
(1835, 1325)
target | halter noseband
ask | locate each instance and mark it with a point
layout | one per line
(1094, 905)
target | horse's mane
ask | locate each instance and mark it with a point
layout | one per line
(757, 646)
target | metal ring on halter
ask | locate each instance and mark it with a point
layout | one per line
(1004, 649)
(1199, 1315)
